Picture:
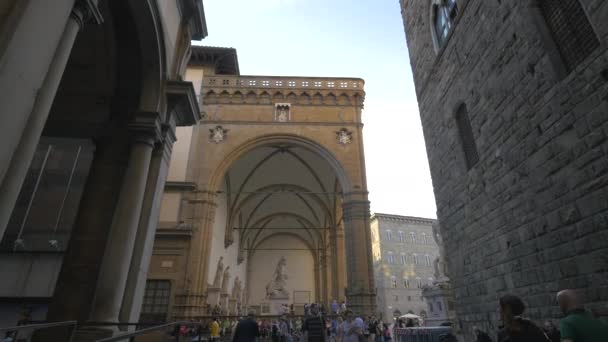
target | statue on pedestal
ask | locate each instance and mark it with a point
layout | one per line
(277, 287)
(217, 281)
(226, 280)
(441, 269)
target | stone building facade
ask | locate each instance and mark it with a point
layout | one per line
(512, 98)
(91, 93)
(404, 253)
(275, 169)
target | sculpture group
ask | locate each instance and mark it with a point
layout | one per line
(277, 287)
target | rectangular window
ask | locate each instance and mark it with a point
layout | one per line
(413, 237)
(389, 235)
(391, 259)
(396, 298)
(401, 237)
(394, 283)
(416, 261)
(428, 260)
(155, 306)
(466, 137)
(571, 30)
(406, 283)
(403, 259)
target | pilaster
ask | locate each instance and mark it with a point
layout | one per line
(361, 289)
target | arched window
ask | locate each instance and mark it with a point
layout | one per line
(443, 13)
(391, 258)
(413, 237)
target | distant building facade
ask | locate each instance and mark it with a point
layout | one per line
(404, 252)
(512, 98)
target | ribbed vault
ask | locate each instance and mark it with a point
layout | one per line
(281, 190)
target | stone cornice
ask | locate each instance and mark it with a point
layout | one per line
(409, 219)
(180, 186)
(181, 102)
(194, 14)
(274, 123)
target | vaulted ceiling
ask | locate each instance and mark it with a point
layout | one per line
(282, 189)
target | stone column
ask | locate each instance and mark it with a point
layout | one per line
(360, 291)
(24, 152)
(119, 248)
(200, 212)
(144, 241)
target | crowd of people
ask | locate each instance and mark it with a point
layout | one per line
(578, 324)
(342, 325)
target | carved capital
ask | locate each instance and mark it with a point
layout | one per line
(356, 210)
(145, 127)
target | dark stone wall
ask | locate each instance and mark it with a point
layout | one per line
(531, 217)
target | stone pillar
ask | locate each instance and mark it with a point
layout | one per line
(121, 241)
(144, 241)
(360, 291)
(24, 152)
(201, 213)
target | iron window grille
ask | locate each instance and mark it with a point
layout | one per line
(571, 30)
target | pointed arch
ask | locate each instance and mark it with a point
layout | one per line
(304, 98)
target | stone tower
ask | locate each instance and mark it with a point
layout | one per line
(512, 98)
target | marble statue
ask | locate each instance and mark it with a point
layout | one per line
(277, 287)
(217, 281)
(441, 270)
(226, 280)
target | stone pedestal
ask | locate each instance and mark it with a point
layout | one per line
(232, 309)
(224, 303)
(439, 299)
(276, 305)
(213, 296)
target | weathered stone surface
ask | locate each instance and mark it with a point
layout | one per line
(531, 216)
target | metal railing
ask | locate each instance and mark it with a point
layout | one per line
(130, 336)
(71, 325)
(422, 334)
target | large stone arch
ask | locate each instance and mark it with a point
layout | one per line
(306, 142)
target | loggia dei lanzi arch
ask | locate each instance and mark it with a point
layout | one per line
(275, 169)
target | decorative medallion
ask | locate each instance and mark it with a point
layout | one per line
(218, 134)
(344, 136)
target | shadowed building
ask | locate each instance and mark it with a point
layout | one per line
(91, 93)
(512, 98)
(266, 200)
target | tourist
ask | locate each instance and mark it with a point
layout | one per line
(551, 331)
(516, 328)
(335, 307)
(247, 329)
(214, 329)
(314, 326)
(387, 333)
(349, 330)
(343, 306)
(284, 330)
(579, 325)
(481, 335)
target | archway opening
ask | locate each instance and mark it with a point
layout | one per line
(278, 225)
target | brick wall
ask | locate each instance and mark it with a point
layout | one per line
(531, 217)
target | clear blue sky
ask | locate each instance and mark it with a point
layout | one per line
(341, 38)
